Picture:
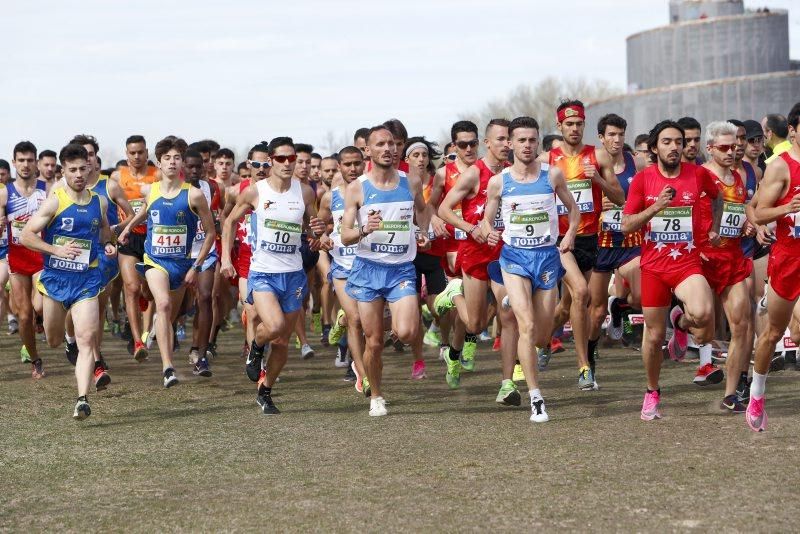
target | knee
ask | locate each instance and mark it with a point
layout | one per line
(132, 287)
(204, 297)
(54, 341)
(406, 334)
(474, 326)
(580, 296)
(598, 313)
(164, 308)
(374, 344)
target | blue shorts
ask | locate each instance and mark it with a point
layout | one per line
(109, 268)
(210, 262)
(542, 266)
(338, 272)
(290, 288)
(4, 251)
(370, 281)
(69, 287)
(748, 246)
(612, 258)
(174, 268)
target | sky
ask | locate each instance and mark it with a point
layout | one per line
(246, 70)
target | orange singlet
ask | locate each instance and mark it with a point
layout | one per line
(133, 192)
(588, 195)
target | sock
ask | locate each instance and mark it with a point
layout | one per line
(470, 338)
(455, 354)
(258, 351)
(656, 391)
(83, 398)
(343, 341)
(326, 326)
(264, 390)
(536, 394)
(705, 354)
(69, 339)
(433, 328)
(758, 386)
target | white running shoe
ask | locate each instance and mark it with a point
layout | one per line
(377, 407)
(306, 352)
(538, 413)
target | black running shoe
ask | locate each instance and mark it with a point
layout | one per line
(778, 363)
(82, 410)
(350, 375)
(211, 350)
(71, 351)
(201, 368)
(267, 406)
(170, 378)
(743, 389)
(732, 404)
(252, 366)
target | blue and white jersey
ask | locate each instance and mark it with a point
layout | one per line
(395, 241)
(343, 255)
(529, 211)
(276, 228)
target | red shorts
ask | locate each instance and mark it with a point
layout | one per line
(783, 270)
(726, 269)
(474, 259)
(657, 287)
(243, 262)
(24, 261)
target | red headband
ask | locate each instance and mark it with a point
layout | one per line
(570, 111)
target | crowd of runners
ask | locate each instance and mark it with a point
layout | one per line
(392, 241)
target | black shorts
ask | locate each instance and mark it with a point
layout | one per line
(310, 258)
(134, 247)
(431, 267)
(761, 251)
(612, 258)
(585, 251)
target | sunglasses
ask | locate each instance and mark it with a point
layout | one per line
(451, 157)
(284, 159)
(464, 144)
(725, 148)
(258, 164)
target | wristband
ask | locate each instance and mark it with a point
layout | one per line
(109, 243)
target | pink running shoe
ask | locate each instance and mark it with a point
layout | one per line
(651, 406)
(680, 338)
(755, 415)
(359, 385)
(418, 371)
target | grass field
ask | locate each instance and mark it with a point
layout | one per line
(201, 456)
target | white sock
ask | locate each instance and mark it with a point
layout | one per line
(536, 394)
(11, 317)
(759, 385)
(69, 339)
(433, 328)
(705, 354)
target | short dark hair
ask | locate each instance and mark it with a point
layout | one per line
(84, 139)
(611, 119)
(547, 141)
(192, 153)
(496, 122)
(24, 147)
(224, 153)
(652, 137)
(47, 154)
(350, 150)
(283, 141)
(462, 126)
(300, 148)
(627, 148)
(314, 155)
(71, 152)
(736, 122)
(641, 138)
(242, 165)
(122, 163)
(778, 125)
(793, 119)
(565, 103)
(135, 139)
(99, 161)
(210, 144)
(263, 146)
(170, 142)
(687, 123)
(377, 129)
(522, 122)
(397, 128)
(5, 165)
(361, 133)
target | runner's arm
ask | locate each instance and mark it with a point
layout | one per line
(607, 180)
(465, 185)
(118, 196)
(635, 215)
(493, 189)
(352, 201)
(573, 213)
(422, 210)
(771, 188)
(244, 202)
(31, 234)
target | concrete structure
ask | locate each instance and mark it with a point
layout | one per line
(713, 61)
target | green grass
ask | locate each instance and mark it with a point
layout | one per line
(202, 457)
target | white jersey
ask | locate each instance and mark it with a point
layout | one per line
(275, 228)
(200, 234)
(395, 241)
(529, 211)
(343, 255)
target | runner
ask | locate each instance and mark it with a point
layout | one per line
(224, 162)
(302, 171)
(72, 223)
(525, 195)
(329, 167)
(776, 133)
(173, 211)
(691, 148)
(661, 199)
(282, 208)
(47, 167)
(379, 212)
(778, 201)
(19, 200)
(5, 302)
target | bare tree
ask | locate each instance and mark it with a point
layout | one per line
(333, 142)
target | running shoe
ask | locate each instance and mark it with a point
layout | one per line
(340, 360)
(170, 378)
(778, 362)
(519, 375)
(24, 355)
(556, 345)
(359, 384)
(211, 350)
(365, 387)
(267, 406)
(444, 300)
(350, 375)
(497, 345)
(733, 404)
(201, 368)
(252, 366)
(377, 407)
(508, 394)
(432, 339)
(743, 389)
(418, 370)
(708, 374)
(468, 356)
(101, 378)
(148, 337)
(125, 334)
(316, 322)
(680, 338)
(82, 410)
(139, 351)
(755, 415)
(306, 352)
(337, 329)
(453, 375)
(116, 329)
(13, 326)
(761, 307)
(37, 369)
(585, 379)
(442, 351)
(485, 336)
(194, 356)
(651, 406)
(538, 412)
(326, 330)
(181, 332)
(615, 325)
(426, 313)
(543, 356)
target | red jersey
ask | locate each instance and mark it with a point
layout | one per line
(243, 230)
(588, 195)
(787, 234)
(733, 216)
(669, 245)
(473, 208)
(451, 174)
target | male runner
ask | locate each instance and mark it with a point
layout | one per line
(224, 162)
(360, 140)
(47, 167)
(525, 196)
(776, 133)
(662, 199)
(328, 169)
(302, 171)
(691, 148)
(379, 215)
(68, 230)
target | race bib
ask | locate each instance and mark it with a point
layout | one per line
(733, 219)
(78, 264)
(136, 205)
(199, 238)
(612, 220)
(460, 234)
(16, 231)
(281, 237)
(498, 224)
(392, 237)
(582, 193)
(529, 230)
(672, 225)
(169, 241)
